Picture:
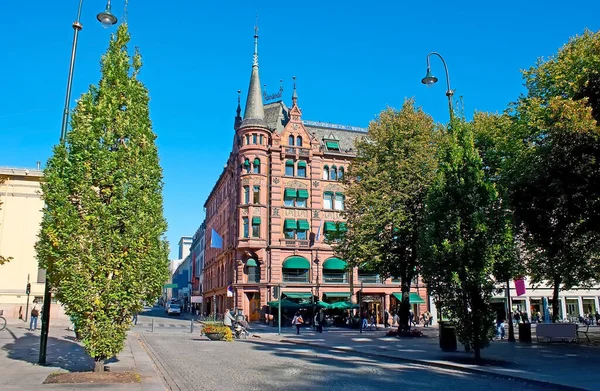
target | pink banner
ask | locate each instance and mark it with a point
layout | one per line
(520, 286)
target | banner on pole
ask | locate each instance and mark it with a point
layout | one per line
(520, 287)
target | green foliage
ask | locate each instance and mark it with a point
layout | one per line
(461, 238)
(573, 73)
(218, 327)
(386, 188)
(555, 178)
(100, 237)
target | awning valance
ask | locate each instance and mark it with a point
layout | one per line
(290, 193)
(302, 193)
(334, 264)
(297, 295)
(303, 225)
(255, 220)
(290, 225)
(301, 163)
(336, 294)
(413, 298)
(251, 262)
(296, 262)
(329, 226)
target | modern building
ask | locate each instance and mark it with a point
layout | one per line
(184, 246)
(277, 198)
(20, 218)
(197, 260)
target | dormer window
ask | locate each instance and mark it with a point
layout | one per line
(332, 145)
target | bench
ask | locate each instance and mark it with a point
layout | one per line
(587, 329)
(562, 331)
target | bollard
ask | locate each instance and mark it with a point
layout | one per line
(192, 326)
(152, 324)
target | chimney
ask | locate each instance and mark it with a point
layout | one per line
(38, 164)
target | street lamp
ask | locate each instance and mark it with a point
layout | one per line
(107, 19)
(429, 80)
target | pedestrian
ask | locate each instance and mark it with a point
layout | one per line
(321, 315)
(135, 318)
(386, 318)
(517, 317)
(34, 318)
(425, 319)
(500, 327)
(364, 324)
(228, 319)
(373, 320)
(297, 321)
(396, 319)
(411, 318)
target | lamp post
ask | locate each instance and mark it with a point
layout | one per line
(429, 80)
(107, 19)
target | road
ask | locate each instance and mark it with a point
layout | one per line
(190, 362)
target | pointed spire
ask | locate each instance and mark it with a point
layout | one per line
(254, 114)
(238, 113)
(294, 94)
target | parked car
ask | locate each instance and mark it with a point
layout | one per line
(174, 309)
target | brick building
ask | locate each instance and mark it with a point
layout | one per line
(276, 199)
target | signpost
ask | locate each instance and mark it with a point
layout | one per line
(279, 309)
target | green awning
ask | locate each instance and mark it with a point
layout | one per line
(290, 225)
(335, 264)
(246, 162)
(343, 227)
(336, 294)
(339, 193)
(289, 163)
(302, 193)
(251, 262)
(329, 226)
(343, 305)
(413, 298)
(332, 145)
(303, 225)
(255, 220)
(296, 262)
(256, 161)
(328, 193)
(168, 286)
(297, 295)
(285, 304)
(290, 193)
(301, 163)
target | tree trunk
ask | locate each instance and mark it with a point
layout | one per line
(476, 333)
(555, 300)
(405, 306)
(98, 365)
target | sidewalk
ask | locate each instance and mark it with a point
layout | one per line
(573, 366)
(19, 353)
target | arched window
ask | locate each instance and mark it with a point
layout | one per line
(291, 141)
(252, 270)
(299, 141)
(341, 173)
(333, 173)
(334, 270)
(257, 166)
(247, 165)
(295, 269)
(326, 172)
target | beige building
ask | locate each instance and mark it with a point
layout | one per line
(20, 217)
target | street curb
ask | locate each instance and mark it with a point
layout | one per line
(453, 367)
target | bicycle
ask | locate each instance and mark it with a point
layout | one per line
(2, 320)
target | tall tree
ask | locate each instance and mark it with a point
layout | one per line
(3, 259)
(100, 237)
(386, 188)
(555, 193)
(460, 238)
(556, 176)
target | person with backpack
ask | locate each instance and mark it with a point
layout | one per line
(34, 318)
(297, 321)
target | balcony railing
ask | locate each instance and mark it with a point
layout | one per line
(295, 243)
(297, 151)
(339, 278)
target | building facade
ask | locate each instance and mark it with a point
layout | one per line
(275, 201)
(197, 260)
(20, 218)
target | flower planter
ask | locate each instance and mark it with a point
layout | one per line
(215, 336)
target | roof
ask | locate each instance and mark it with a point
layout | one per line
(276, 117)
(28, 172)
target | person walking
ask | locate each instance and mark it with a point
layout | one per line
(386, 318)
(228, 319)
(396, 319)
(364, 324)
(34, 318)
(500, 328)
(297, 321)
(321, 317)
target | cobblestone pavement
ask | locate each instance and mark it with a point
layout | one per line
(194, 363)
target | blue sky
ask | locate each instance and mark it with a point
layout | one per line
(352, 59)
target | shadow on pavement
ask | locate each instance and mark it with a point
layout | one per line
(65, 353)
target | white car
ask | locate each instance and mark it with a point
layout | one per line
(174, 309)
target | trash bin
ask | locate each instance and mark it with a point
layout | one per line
(447, 337)
(525, 332)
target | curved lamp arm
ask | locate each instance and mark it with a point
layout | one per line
(430, 79)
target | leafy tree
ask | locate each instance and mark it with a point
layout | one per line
(100, 237)
(461, 239)
(555, 192)
(3, 260)
(386, 188)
